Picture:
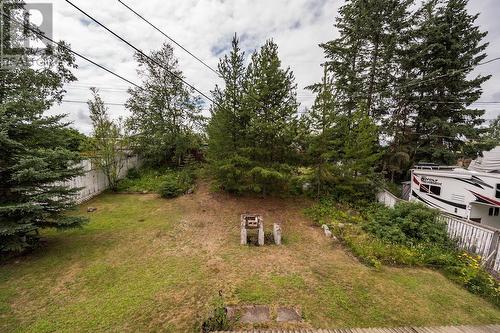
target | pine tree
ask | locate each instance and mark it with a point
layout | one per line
(448, 49)
(165, 114)
(254, 126)
(271, 103)
(228, 124)
(493, 132)
(35, 158)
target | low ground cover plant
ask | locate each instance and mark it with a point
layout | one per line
(408, 235)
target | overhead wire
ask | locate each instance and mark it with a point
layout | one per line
(140, 51)
(169, 38)
(67, 48)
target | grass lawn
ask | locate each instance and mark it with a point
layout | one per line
(147, 264)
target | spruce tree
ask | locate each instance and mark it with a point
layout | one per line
(35, 155)
(363, 60)
(449, 48)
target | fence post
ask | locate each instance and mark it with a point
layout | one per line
(493, 247)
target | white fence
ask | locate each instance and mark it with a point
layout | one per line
(475, 238)
(470, 236)
(387, 198)
(93, 181)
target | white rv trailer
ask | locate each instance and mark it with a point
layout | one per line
(472, 193)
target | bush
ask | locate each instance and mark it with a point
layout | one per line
(231, 173)
(133, 173)
(407, 224)
(169, 183)
(177, 184)
(466, 270)
(239, 174)
(329, 212)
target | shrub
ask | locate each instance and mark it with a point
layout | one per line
(231, 173)
(239, 174)
(177, 184)
(170, 188)
(374, 251)
(144, 180)
(329, 212)
(133, 173)
(408, 224)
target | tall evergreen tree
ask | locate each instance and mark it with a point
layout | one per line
(254, 126)
(326, 133)
(35, 155)
(448, 49)
(363, 60)
(227, 126)
(271, 103)
(165, 114)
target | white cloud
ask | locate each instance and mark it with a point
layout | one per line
(205, 26)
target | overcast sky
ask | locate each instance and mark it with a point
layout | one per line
(205, 27)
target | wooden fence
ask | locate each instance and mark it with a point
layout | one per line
(93, 181)
(470, 236)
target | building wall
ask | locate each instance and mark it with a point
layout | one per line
(481, 211)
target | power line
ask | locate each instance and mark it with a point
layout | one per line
(40, 34)
(170, 38)
(139, 51)
(447, 74)
(85, 102)
(100, 89)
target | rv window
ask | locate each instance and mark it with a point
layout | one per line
(496, 211)
(490, 212)
(436, 190)
(498, 191)
(424, 188)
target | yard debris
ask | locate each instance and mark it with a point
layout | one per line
(277, 233)
(91, 209)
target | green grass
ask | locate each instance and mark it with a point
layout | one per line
(148, 180)
(147, 264)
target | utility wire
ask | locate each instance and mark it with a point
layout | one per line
(447, 74)
(42, 35)
(139, 51)
(85, 102)
(170, 38)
